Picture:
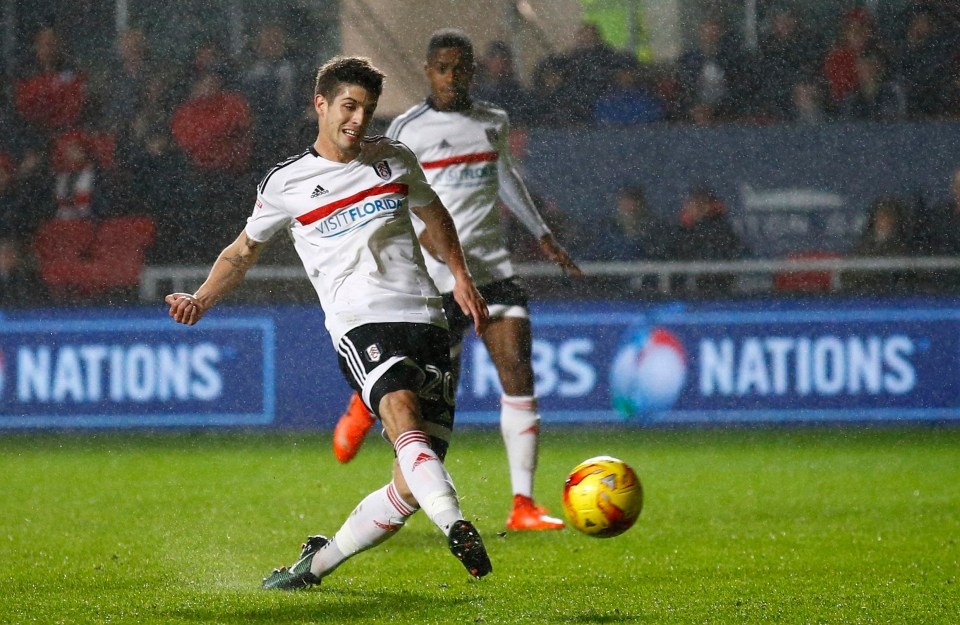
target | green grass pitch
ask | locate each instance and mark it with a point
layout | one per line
(807, 525)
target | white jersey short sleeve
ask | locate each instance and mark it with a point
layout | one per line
(464, 154)
(351, 226)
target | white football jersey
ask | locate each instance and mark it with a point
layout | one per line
(467, 161)
(352, 228)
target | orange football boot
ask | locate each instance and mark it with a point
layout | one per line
(528, 516)
(351, 429)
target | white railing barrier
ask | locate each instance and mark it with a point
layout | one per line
(187, 278)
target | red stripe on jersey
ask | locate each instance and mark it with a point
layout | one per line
(327, 209)
(482, 157)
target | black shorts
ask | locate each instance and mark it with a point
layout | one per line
(379, 358)
(509, 292)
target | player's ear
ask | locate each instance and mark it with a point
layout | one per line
(319, 103)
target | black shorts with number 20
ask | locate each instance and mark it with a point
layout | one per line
(379, 358)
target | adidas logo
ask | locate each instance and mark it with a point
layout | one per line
(318, 192)
(444, 144)
(423, 457)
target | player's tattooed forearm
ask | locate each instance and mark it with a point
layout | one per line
(236, 261)
(241, 261)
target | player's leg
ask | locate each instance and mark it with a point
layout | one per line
(372, 360)
(352, 429)
(508, 339)
(379, 516)
(413, 393)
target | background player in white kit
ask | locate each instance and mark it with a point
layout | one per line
(350, 220)
(462, 146)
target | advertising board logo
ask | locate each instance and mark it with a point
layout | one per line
(135, 372)
(648, 372)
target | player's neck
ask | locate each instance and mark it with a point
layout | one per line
(333, 152)
(453, 106)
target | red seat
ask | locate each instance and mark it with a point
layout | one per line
(806, 281)
(118, 253)
(74, 256)
(61, 246)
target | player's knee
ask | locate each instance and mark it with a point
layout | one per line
(400, 412)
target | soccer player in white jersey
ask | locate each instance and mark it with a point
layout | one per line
(347, 201)
(462, 146)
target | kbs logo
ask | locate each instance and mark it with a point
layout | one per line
(648, 372)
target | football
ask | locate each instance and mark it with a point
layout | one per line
(602, 497)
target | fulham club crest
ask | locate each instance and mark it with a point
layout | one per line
(373, 353)
(383, 169)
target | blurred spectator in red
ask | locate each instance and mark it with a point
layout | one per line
(213, 126)
(496, 82)
(213, 129)
(51, 94)
(628, 101)
(706, 74)
(875, 97)
(274, 88)
(856, 37)
(705, 233)
(925, 63)
(788, 56)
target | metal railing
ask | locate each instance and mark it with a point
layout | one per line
(183, 278)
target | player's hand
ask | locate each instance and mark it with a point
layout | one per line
(555, 252)
(472, 304)
(185, 308)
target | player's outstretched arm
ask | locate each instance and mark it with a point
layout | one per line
(440, 239)
(555, 252)
(227, 272)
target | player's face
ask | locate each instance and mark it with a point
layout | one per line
(343, 122)
(450, 72)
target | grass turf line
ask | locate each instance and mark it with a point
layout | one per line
(851, 525)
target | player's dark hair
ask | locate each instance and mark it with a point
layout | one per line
(449, 38)
(349, 70)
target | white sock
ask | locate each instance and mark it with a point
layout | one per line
(379, 516)
(428, 479)
(520, 426)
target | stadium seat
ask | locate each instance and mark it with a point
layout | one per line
(806, 281)
(118, 253)
(78, 258)
(62, 246)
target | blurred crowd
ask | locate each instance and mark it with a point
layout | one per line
(792, 74)
(138, 162)
(632, 230)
